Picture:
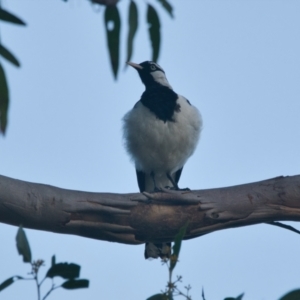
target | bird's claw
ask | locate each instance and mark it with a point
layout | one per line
(149, 196)
(172, 188)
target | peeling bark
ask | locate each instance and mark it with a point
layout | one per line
(136, 218)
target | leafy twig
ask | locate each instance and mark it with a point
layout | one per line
(70, 272)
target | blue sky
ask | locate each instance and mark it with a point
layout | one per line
(237, 61)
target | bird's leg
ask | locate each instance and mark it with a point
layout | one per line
(156, 189)
(175, 185)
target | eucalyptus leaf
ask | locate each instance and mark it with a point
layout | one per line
(167, 6)
(154, 31)
(177, 245)
(240, 297)
(293, 295)
(132, 25)
(23, 245)
(64, 270)
(158, 297)
(75, 284)
(4, 100)
(4, 52)
(113, 24)
(8, 17)
(6, 283)
(53, 260)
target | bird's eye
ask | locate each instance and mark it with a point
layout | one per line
(152, 67)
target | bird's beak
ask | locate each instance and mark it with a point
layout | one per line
(136, 66)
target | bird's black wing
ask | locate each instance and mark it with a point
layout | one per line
(177, 175)
(141, 179)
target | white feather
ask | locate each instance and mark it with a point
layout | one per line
(161, 147)
(161, 78)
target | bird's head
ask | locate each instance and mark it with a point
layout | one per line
(151, 73)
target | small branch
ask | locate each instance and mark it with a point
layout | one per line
(51, 290)
(38, 287)
(42, 281)
(288, 227)
(136, 218)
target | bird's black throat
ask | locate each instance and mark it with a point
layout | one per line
(161, 100)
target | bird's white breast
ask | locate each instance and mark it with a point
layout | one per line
(158, 146)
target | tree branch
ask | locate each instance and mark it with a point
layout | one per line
(136, 218)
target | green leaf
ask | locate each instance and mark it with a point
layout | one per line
(4, 52)
(8, 282)
(8, 17)
(167, 6)
(154, 31)
(53, 260)
(4, 100)
(113, 24)
(240, 297)
(23, 245)
(293, 295)
(64, 270)
(133, 25)
(177, 245)
(75, 284)
(158, 297)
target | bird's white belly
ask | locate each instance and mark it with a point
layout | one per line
(161, 147)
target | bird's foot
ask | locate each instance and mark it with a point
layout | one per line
(172, 188)
(169, 188)
(152, 195)
(184, 189)
(157, 190)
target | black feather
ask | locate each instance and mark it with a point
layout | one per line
(162, 101)
(141, 179)
(177, 175)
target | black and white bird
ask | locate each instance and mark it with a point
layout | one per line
(160, 133)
